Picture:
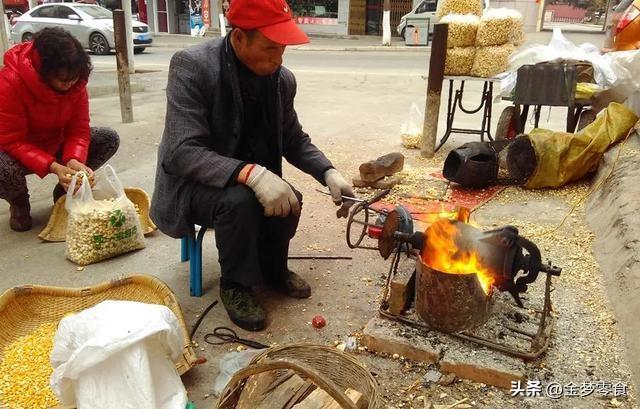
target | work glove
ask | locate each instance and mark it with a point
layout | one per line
(339, 187)
(273, 193)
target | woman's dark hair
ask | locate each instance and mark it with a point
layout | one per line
(59, 53)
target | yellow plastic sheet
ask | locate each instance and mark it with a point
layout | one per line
(565, 157)
(585, 90)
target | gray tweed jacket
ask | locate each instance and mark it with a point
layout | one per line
(203, 127)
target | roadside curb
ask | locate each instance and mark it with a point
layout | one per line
(366, 48)
(183, 41)
(369, 48)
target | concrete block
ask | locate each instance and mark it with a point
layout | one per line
(482, 365)
(464, 359)
(385, 336)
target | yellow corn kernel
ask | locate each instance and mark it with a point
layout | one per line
(25, 371)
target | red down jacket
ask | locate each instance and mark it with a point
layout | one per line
(37, 122)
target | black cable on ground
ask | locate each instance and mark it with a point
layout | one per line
(197, 324)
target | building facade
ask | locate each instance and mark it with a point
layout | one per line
(330, 17)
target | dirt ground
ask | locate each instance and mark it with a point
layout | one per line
(586, 346)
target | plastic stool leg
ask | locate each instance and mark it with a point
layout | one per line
(184, 249)
(196, 264)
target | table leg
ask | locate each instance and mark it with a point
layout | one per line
(451, 111)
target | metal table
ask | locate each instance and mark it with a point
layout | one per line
(455, 102)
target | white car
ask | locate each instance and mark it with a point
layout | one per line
(92, 25)
(425, 10)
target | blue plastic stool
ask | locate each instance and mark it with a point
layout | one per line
(191, 250)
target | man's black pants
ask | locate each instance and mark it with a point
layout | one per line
(252, 248)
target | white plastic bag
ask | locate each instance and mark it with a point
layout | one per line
(230, 364)
(102, 221)
(411, 131)
(119, 354)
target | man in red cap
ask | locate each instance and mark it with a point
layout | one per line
(230, 121)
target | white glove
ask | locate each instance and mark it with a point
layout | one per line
(338, 188)
(273, 193)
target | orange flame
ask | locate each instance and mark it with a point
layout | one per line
(443, 254)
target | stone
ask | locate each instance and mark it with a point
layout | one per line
(386, 165)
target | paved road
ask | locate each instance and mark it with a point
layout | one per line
(388, 63)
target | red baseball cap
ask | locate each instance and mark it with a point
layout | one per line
(273, 18)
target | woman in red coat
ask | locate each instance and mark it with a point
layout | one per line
(44, 119)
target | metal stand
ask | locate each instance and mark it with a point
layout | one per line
(538, 341)
(454, 103)
(573, 115)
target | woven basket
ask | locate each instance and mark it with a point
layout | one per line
(56, 228)
(328, 368)
(23, 309)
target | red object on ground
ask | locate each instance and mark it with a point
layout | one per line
(318, 322)
(201, 361)
(426, 211)
(35, 121)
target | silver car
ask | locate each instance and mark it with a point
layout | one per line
(422, 14)
(92, 25)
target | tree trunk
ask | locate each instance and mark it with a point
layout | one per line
(386, 23)
(223, 26)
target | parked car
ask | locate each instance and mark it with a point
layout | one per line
(92, 25)
(425, 10)
(623, 32)
(12, 15)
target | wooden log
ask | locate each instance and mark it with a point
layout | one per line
(434, 90)
(450, 302)
(385, 165)
(122, 62)
(402, 288)
(384, 183)
(319, 399)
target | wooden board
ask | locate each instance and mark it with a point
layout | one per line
(272, 390)
(319, 399)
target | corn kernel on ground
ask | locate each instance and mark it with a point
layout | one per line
(25, 371)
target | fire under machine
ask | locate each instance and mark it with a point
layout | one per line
(459, 269)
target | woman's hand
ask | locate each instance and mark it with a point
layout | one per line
(63, 173)
(78, 166)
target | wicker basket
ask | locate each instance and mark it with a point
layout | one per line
(328, 368)
(56, 228)
(23, 309)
